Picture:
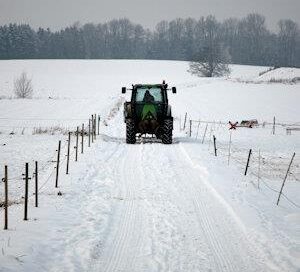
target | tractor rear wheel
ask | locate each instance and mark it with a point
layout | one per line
(167, 129)
(130, 132)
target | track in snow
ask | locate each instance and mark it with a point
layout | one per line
(167, 218)
(122, 243)
(143, 207)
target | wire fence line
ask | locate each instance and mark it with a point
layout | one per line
(38, 128)
(43, 185)
(45, 173)
(87, 131)
(264, 165)
(42, 119)
(54, 169)
(262, 124)
(46, 165)
(35, 126)
(43, 166)
(48, 162)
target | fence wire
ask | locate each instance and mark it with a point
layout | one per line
(47, 164)
(271, 167)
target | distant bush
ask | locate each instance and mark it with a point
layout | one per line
(50, 130)
(5, 97)
(23, 86)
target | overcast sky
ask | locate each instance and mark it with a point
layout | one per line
(60, 13)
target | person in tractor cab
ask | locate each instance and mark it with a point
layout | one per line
(149, 114)
(148, 97)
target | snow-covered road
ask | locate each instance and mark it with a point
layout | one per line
(168, 219)
(143, 207)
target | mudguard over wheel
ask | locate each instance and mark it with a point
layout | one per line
(167, 129)
(130, 132)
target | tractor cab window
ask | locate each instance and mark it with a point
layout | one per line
(149, 95)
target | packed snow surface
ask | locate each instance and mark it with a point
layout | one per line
(149, 206)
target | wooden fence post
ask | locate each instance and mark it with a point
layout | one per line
(287, 172)
(215, 146)
(210, 132)
(99, 124)
(26, 193)
(92, 128)
(76, 147)
(248, 161)
(204, 134)
(198, 130)
(258, 173)
(6, 198)
(57, 164)
(95, 126)
(273, 130)
(89, 132)
(191, 122)
(185, 117)
(82, 138)
(36, 177)
(68, 153)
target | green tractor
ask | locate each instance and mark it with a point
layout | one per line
(148, 112)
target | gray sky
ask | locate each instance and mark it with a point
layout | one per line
(60, 13)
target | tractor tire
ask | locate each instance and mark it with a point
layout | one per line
(130, 132)
(167, 129)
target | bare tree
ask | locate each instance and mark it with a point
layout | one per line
(23, 86)
(213, 67)
(213, 57)
(287, 42)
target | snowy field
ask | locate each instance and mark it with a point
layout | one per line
(151, 207)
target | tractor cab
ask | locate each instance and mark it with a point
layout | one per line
(149, 94)
(151, 101)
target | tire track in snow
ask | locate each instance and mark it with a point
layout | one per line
(187, 227)
(124, 241)
(80, 237)
(176, 240)
(223, 244)
(228, 243)
(159, 208)
(220, 262)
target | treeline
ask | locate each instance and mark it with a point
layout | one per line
(246, 41)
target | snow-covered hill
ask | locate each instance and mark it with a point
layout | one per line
(150, 207)
(283, 74)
